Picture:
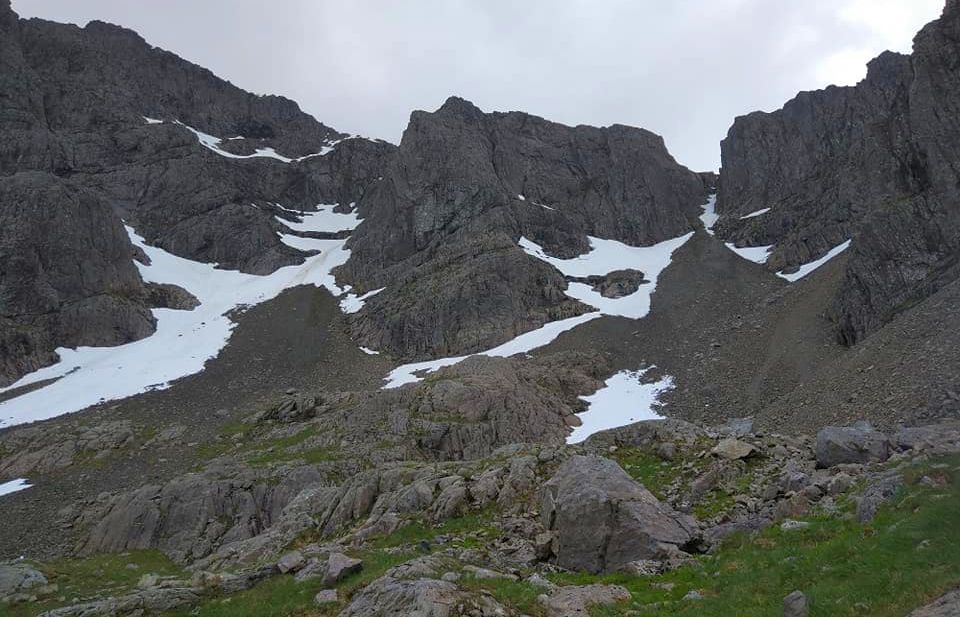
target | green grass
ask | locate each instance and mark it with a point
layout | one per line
(84, 579)
(907, 556)
(269, 451)
(283, 596)
(417, 531)
(517, 594)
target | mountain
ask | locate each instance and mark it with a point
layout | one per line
(875, 164)
(253, 365)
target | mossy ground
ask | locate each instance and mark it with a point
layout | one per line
(93, 577)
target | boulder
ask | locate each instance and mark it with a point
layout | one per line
(17, 579)
(602, 519)
(339, 567)
(851, 444)
(796, 605)
(575, 601)
(291, 562)
(325, 596)
(733, 449)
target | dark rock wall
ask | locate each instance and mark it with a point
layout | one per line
(878, 162)
(443, 224)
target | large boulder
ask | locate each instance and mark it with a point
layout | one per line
(17, 580)
(837, 445)
(602, 519)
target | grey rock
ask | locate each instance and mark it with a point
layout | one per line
(627, 522)
(325, 596)
(879, 491)
(291, 562)
(339, 566)
(947, 605)
(576, 601)
(796, 605)
(734, 449)
(838, 445)
(17, 579)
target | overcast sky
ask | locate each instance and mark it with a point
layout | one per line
(681, 68)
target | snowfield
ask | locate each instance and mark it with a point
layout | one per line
(623, 400)
(184, 340)
(605, 256)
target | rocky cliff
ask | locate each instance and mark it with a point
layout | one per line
(876, 163)
(442, 226)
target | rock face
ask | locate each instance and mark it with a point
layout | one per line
(464, 186)
(77, 155)
(68, 276)
(602, 519)
(886, 178)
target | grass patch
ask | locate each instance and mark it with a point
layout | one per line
(419, 531)
(283, 596)
(98, 576)
(907, 556)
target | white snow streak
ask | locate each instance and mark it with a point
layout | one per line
(213, 144)
(756, 254)
(14, 485)
(807, 268)
(368, 351)
(528, 341)
(184, 340)
(755, 213)
(710, 216)
(624, 399)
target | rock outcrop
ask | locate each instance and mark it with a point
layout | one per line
(875, 163)
(603, 520)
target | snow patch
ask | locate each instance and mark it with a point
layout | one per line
(755, 213)
(807, 268)
(756, 254)
(521, 198)
(710, 216)
(152, 120)
(527, 341)
(14, 485)
(184, 340)
(624, 399)
(606, 256)
(368, 351)
(352, 304)
(324, 219)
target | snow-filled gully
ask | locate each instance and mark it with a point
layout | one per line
(184, 340)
